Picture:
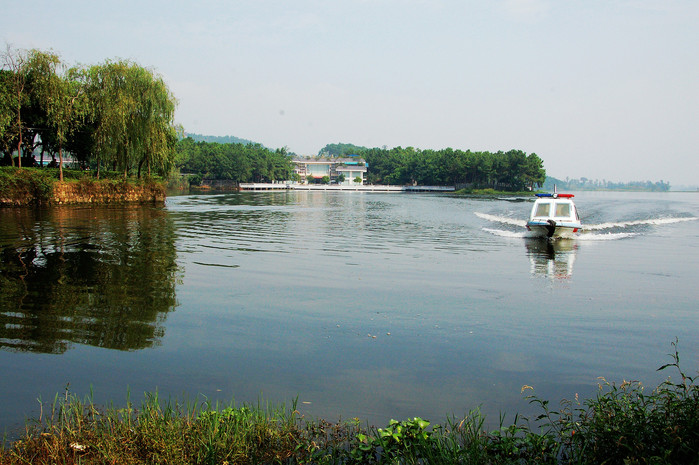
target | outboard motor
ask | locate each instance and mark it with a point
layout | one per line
(551, 228)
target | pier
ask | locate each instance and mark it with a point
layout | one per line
(251, 186)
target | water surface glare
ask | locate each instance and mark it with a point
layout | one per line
(370, 305)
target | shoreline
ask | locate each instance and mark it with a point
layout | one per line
(340, 187)
(624, 423)
(37, 187)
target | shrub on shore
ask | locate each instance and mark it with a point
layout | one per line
(622, 425)
(38, 186)
(25, 186)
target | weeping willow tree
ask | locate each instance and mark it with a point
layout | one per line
(14, 97)
(5, 106)
(155, 113)
(60, 93)
(133, 110)
(116, 114)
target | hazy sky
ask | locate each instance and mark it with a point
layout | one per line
(605, 89)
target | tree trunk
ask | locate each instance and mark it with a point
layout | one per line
(60, 163)
(19, 149)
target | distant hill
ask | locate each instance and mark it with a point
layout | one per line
(585, 184)
(339, 150)
(218, 139)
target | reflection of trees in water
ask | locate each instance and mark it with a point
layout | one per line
(98, 276)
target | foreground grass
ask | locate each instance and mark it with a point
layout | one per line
(622, 425)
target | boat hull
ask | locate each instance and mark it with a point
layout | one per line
(553, 229)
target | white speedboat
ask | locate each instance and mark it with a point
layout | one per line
(554, 215)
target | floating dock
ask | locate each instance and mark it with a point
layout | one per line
(252, 186)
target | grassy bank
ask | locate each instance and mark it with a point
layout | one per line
(623, 424)
(40, 186)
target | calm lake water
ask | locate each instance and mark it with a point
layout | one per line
(368, 305)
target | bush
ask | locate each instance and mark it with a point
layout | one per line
(25, 186)
(626, 425)
(195, 180)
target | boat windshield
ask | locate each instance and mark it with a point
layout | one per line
(542, 209)
(563, 210)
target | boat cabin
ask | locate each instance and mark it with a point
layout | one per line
(558, 208)
(554, 215)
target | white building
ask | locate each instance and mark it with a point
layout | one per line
(350, 168)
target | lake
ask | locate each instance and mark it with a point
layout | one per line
(369, 305)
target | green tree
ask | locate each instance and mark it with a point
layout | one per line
(159, 133)
(60, 95)
(535, 174)
(514, 167)
(339, 150)
(6, 108)
(512, 170)
(133, 110)
(15, 62)
(235, 161)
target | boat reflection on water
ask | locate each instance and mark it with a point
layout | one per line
(553, 259)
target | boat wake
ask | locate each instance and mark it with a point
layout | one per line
(604, 237)
(504, 233)
(626, 224)
(583, 236)
(502, 219)
(589, 231)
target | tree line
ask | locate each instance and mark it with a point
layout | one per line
(232, 161)
(584, 184)
(119, 115)
(513, 170)
(116, 114)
